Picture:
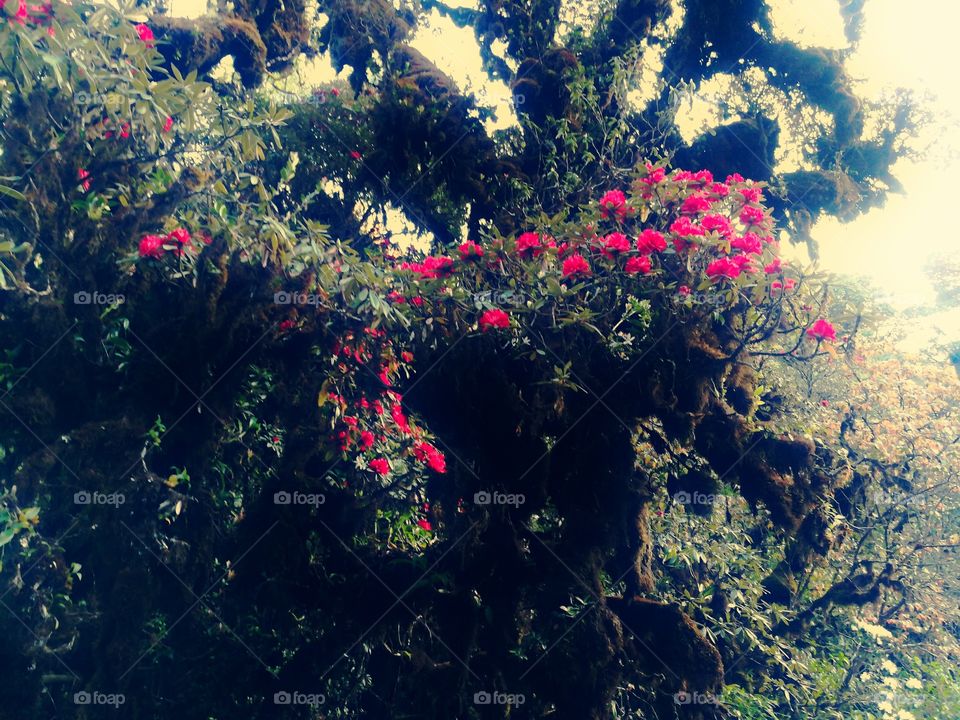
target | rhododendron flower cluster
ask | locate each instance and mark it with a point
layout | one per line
(575, 265)
(178, 241)
(145, 34)
(613, 203)
(495, 319)
(822, 330)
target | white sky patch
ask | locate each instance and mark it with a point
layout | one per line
(809, 23)
(456, 52)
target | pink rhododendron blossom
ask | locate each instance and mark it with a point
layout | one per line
(168, 124)
(751, 194)
(528, 245)
(774, 267)
(695, 204)
(381, 466)
(684, 227)
(355, 154)
(470, 251)
(735, 178)
(720, 190)
(651, 241)
(752, 216)
(749, 243)
(495, 319)
(615, 243)
(575, 265)
(717, 223)
(822, 330)
(82, 176)
(638, 264)
(367, 440)
(683, 290)
(704, 177)
(145, 34)
(655, 176)
(151, 246)
(424, 524)
(434, 459)
(396, 413)
(613, 202)
(723, 268)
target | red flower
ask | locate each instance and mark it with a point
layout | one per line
(355, 154)
(145, 34)
(287, 325)
(751, 194)
(20, 17)
(396, 412)
(651, 241)
(723, 268)
(495, 318)
(695, 204)
(151, 246)
(638, 264)
(168, 124)
(822, 330)
(717, 223)
(684, 227)
(683, 290)
(366, 440)
(335, 92)
(181, 237)
(615, 243)
(774, 267)
(379, 465)
(575, 265)
(720, 190)
(749, 243)
(528, 245)
(406, 356)
(613, 201)
(703, 176)
(425, 524)
(470, 251)
(752, 216)
(656, 176)
(82, 176)
(735, 178)
(427, 453)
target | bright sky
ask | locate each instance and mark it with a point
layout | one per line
(899, 48)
